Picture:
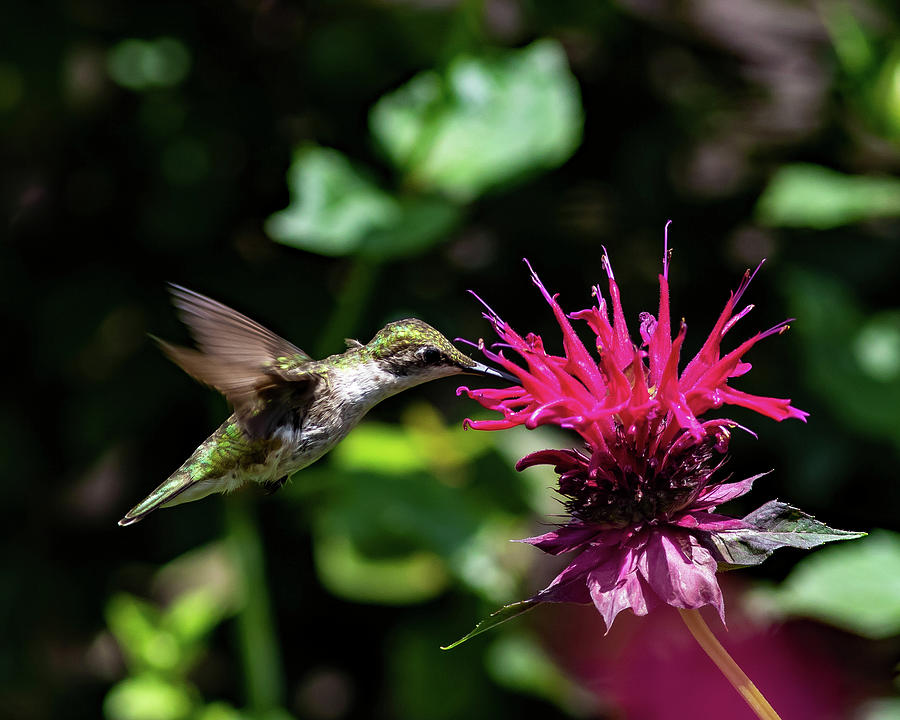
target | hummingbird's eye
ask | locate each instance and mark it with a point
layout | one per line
(431, 356)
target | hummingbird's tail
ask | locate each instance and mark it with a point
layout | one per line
(180, 487)
(218, 465)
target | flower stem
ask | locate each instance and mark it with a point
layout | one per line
(730, 669)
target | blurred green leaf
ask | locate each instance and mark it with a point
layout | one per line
(804, 195)
(193, 615)
(145, 64)
(854, 586)
(398, 520)
(485, 121)
(336, 209)
(507, 612)
(851, 43)
(877, 346)
(842, 350)
(148, 697)
(488, 563)
(333, 205)
(136, 625)
(346, 573)
(209, 568)
(420, 222)
(381, 537)
(423, 441)
(881, 709)
(220, 711)
(885, 95)
(380, 446)
(517, 661)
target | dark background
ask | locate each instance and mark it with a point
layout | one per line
(111, 190)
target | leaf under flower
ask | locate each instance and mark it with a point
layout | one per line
(772, 526)
(507, 612)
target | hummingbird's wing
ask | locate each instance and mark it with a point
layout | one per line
(259, 372)
(229, 335)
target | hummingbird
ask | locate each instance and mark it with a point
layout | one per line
(289, 409)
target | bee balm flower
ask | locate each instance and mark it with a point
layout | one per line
(641, 493)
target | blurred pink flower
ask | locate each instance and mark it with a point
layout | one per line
(642, 493)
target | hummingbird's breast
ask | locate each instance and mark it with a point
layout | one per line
(342, 399)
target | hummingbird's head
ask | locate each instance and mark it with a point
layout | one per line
(413, 349)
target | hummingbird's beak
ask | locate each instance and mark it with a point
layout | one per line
(482, 369)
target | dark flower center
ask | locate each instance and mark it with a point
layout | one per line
(621, 488)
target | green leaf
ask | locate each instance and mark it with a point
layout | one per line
(333, 205)
(855, 586)
(137, 626)
(380, 447)
(880, 709)
(423, 441)
(336, 209)
(345, 572)
(193, 615)
(507, 612)
(484, 121)
(775, 525)
(148, 697)
(420, 223)
(852, 46)
(813, 196)
(220, 711)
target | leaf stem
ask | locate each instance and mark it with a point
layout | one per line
(730, 669)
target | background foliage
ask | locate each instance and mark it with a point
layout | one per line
(328, 167)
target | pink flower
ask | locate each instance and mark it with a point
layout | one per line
(641, 494)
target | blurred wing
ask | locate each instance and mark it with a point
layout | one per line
(227, 334)
(260, 373)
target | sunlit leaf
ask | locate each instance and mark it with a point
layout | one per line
(333, 205)
(484, 121)
(854, 586)
(817, 197)
(507, 612)
(337, 209)
(148, 697)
